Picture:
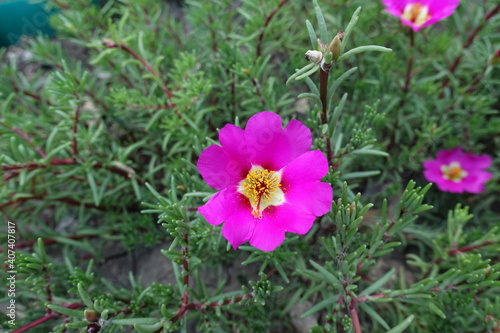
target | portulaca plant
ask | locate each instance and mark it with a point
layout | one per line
(253, 166)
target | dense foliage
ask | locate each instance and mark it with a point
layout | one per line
(101, 129)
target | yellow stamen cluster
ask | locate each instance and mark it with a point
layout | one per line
(453, 172)
(416, 13)
(259, 186)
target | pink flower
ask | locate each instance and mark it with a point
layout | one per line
(268, 181)
(420, 13)
(454, 171)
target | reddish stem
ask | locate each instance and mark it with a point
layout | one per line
(197, 306)
(34, 165)
(45, 318)
(28, 93)
(186, 306)
(35, 96)
(225, 302)
(111, 44)
(266, 23)
(25, 138)
(386, 234)
(67, 200)
(455, 251)
(129, 173)
(48, 241)
(323, 92)
(469, 248)
(354, 316)
(469, 42)
(185, 279)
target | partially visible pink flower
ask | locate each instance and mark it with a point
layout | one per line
(457, 172)
(268, 181)
(420, 13)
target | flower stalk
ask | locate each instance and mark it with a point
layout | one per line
(323, 92)
(331, 51)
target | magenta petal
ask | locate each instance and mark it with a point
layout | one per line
(410, 24)
(222, 205)
(264, 143)
(312, 197)
(232, 139)
(475, 182)
(474, 162)
(442, 8)
(299, 138)
(450, 186)
(232, 208)
(438, 10)
(307, 167)
(268, 237)
(302, 186)
(263, 127)
(267, 144)
(239, 227)
(450, 155)
(395, 5)
(433, 171)
(240, 224)
(433, 175)
(270, 231)
(219, 169)
(295, 219)
(272, 147)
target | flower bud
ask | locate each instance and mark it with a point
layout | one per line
(321, 45)
(314, 56)
(109, 43)
(336, 44)
(91, 315)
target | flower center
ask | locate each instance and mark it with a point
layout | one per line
(416, 13)
(453, 172)
(262, 187)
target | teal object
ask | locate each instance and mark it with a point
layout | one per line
(21, 17)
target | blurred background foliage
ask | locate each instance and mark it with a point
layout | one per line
(101, 128)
